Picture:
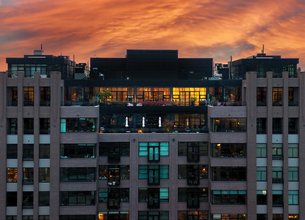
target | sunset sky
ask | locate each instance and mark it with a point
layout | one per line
(197, 28)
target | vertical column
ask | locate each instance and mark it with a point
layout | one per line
(173, 166)
(301, 144)
(55, 144)
(133, 179)
(3, 144)
(251, 144)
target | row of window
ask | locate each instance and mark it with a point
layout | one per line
(277, 197)
(27, 175)
(28, 151)
(27, 199)
(277, 96)
(277, 174)
(28, 126)
(277, 151)
(277, 125)
(28, 96)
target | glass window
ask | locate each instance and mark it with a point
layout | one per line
(77, 151)
(293, 174)
(28, 176)
(44, 151)
(229, 125)
(293, 150)
(44, 198)
(11, 198)
(277, 174)
(79, 174)
(28, 96)
(12, 96)
(11, 217)
(12, 127)
(27, 200)
(164, 195)
(293, 93)
(277, 151)
(77, 198)
(277, 96)
(261, 96)
(228, 150)
(261, 174)
(44, 174)
(277, 198)
(43, 217)
(183, 148)
(44, 126)
(28, 152)
(261, 150)
(277, 125)
(11, 175)
(45, 96)
(28, 126)
(293, 125)
(70, 125)
(261, 197)
(11, 151)
(261, 125)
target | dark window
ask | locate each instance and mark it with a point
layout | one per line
(261, 197)
(293, 96)
(187, 148)
(44, 126)
(262, 217)
(77, 198)
(11, 152)
(27, 200)
(261, 96)
(153, 173)
(27, 217)
(28, 126)
(28, 176)
(45, 96)
(12, 96)
(228, 150)
(277, 198)
(229, 174)
(44, 151)
(11, 217)
(229, 197)
(229, 124)
(277, 125)
(277, 96)
(277, 174)
(123, 194)
(28, 152)
(82, 217)
(43, 217)
(44, 174)
(44, 198)
(28, 96)
(293, 126)
(198, 194)
(261, 125)
(69, 125)
(153, 215)
(11, 198)
(80, 174)
(12, 127)
(77, 151)
(193, 215)
(277, 151)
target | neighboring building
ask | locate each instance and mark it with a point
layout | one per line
(145, 147)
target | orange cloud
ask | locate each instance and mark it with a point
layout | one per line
(197, 28)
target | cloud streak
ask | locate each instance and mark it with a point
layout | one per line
(197, 28)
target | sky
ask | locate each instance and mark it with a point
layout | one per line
(197, 28)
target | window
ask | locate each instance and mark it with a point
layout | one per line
(261, 125)
(11, 198)
(193, 215)
(28, 152)
(28, 126)
(185, 194)
(123, 194)
(27, 200)
(261, 174)
(69, 125)
(28, 96)
(228, 196)
(229, 125)
(11, 175)
(44, 174)
(229, 174)
(293, 197)
(43, 217)
(27, 217)
(293, 93)
(186, 148)
(44, 126)
(28, 176)
(44, 151)
(153, 173)
(261, 197)
(44, 198)
(12, 127)
(261, 96)
(277, 125)
(277, 197)
(293, 174)
(77, 198)
(45, 96)
(293, 150)
(12, 96)
(293, 126)
(277, 151)
(11, 151)
(11, 217)
(163, 194)
(277, 174)
(153, 215)
(229, 150)
(261, 150)
(153, 150)
(277, 96)
(77, 151)
(80, 174)
(86, 217)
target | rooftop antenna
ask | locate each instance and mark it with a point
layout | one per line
(263, 49)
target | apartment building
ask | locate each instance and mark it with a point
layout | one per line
(138, 146)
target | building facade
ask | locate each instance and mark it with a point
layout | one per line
(136, 148)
